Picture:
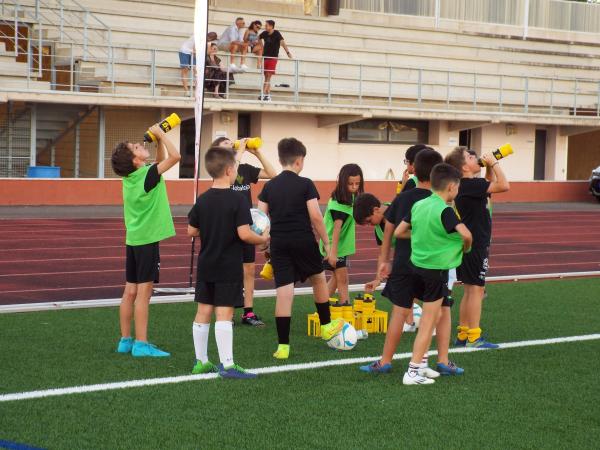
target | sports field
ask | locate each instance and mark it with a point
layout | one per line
(538, 391)
(83, 259)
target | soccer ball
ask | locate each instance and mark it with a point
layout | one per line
(345, 339)
(260, 221)
(417, 312)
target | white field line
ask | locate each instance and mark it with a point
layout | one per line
(265, 370)
(181, 295)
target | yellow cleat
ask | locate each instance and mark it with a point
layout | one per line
(283, 351)
(331, 329)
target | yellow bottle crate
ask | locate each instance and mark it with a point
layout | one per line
(370, 319)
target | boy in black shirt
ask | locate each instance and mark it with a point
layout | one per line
(471, 205)
(222, 220)
(272, 41)
(400, 286)
(292, 202)
(247, 175)
(409, 180)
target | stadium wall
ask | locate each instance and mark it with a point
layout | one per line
(79, 192)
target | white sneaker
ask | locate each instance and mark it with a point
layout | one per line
(409, 328)
(428, 372)
(412, 377)
(233, 68)
(243, 68)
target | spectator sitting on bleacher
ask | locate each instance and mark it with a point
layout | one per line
(232, 41)
(215, 74)
(254, 44)
(210, 38)
(186, 61)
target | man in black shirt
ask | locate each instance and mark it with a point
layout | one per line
(292, 202)
(247, 175)
(272, 41)
(221, 218)
(471, 205)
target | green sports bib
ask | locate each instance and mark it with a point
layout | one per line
(347, 242)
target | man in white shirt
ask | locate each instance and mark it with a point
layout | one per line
(186, 61)
(232, 41)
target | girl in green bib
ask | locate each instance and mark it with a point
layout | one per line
(340, 226)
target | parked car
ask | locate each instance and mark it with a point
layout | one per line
(595, 183)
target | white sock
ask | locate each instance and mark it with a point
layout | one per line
(224, 337)
(425, 360)
(200, 334)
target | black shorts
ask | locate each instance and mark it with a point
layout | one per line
(399, 289)
(295, 260)
(474, 267)
(430, 284)
(229, 294)
(142, 263)
(249, 253)
(339, 264)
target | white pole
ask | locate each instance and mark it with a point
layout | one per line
(200, 30)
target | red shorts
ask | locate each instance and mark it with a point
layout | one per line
(270, 65)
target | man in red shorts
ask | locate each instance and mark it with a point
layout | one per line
(272, 41)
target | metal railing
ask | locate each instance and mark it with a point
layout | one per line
(545, 14)
(155, 73)
(68, 19)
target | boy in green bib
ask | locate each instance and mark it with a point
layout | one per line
(147, 221)
(438, 240)
(340, 226)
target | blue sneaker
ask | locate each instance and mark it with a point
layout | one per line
(449, 369)
(145, 349)
(376, 367)
(481, 343)
(125, 345)
(235, 371)
(460, 342)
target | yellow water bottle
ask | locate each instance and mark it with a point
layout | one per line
(499, 153)
(267, 271)
(252, 143)
(166, 124)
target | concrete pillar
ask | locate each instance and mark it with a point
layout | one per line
(556, 154)
(101, 141)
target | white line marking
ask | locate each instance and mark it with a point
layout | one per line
(17, 396)
(109, 302)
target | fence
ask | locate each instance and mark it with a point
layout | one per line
(546, 14)
(156, 73)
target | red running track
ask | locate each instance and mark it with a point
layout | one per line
(81, 259)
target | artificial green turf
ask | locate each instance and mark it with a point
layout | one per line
(538, 397)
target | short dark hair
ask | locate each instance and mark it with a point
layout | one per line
(270, 22)
(211, 36)
(217, 159)
(443, 174)
(122, 160)
(217, 142)
(424, 162)
(239, 18)
(364, 204)
(290, 149)
(456, 158)
(412, 151)
(340, 192)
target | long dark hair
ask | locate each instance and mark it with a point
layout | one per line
(256, 22)
(341, 194)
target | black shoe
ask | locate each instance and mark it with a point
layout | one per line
(252, 320)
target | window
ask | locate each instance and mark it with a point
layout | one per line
(382, 131)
